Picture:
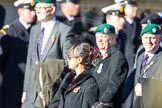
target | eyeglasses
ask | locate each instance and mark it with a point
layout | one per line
(41, 8)
(69, 57)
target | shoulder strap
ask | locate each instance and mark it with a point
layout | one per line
(4, 28)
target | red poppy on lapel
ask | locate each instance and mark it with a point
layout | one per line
(76, 90)
(105, 55)
(53, 38)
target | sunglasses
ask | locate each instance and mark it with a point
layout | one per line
(69, 57)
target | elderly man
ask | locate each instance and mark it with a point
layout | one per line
(13, 54)
(114, 15)
(146, 65)
(49, 39)
(111, 69)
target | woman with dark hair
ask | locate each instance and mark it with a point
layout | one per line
(78, 89)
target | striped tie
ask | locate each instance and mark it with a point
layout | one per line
(144, 61)
(40, 41)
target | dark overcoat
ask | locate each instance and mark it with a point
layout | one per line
(79, 93)
(133, 41)
(76, 24)
(110, 74)
(13, 56)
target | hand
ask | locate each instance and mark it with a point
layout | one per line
(138, 89)
(42, 98)
(23, 98)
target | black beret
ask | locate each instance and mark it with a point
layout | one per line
(151, 19)
(73, 1)
(131, 2)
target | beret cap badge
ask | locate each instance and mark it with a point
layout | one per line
(105, 30)
(121, 9)
(154, 30)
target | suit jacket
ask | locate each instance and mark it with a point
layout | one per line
(13, 55)
(81, 92)
(151, 71)
(57, 48)
(110, 74)
(133, 41)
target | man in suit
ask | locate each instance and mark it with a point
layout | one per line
(114, 15)
(149, 19)
(146, 69)
(132, 29)
(13, 54)
(69, 14)
(50, 39)
(111, 69)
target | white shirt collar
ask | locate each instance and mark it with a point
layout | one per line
(151, 54)
(69, 18)
(24, 24)
(102, 51)
(46, 25)
(130, 21)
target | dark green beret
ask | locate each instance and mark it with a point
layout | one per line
(45, 1)
(105, 29)
(150, 29)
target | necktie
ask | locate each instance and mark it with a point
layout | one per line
(40, 42)
(144, 61)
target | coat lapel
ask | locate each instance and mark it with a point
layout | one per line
(37, 32)
(139, 62)
(80, 79)
(50, 42)
(153, 60)
(109, 51)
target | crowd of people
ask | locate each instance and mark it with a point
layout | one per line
(50, 58)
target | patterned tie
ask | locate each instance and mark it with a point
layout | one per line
(40, 41)
(144, 61)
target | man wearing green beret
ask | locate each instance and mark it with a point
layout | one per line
(49, 39)
(111, 67)
(147, 68)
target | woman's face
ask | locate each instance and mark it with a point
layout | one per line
(72, 62)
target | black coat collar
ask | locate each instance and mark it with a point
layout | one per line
(110, 51)
(79, 80)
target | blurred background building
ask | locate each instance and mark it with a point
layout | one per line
(8, 12)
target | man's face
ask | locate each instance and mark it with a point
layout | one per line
(116, 21)
(103, 41)
(73, 8)
(150, 42)
(27, 15)
(131, 10)
(44, 11)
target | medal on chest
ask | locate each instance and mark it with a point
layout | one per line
(100, 68)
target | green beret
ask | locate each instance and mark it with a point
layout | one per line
(45, 1)
(105, 29)
(150, 29)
